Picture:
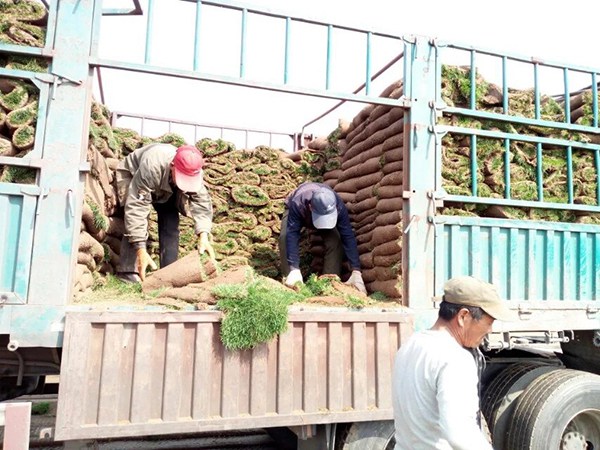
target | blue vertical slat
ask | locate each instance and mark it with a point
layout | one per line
(594, 99)
(473, 93)
(582, 275)
(474, 187)
(197, 35)
(286, 55)
(368, 66)
(243, 43)
(567, 96)
(536, 90)
(149, 32)
(550, 275)
(530, 275)
(596, 253)
(539, 172)
(328, 56)
(568, 259)
(504, 86)
(507, 169)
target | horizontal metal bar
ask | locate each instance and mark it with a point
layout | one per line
(517, 137)
(25, 74)
(240, 6)
(520, 203)
(516, 223)
(517, 57)
(521, 120)
(20, 189)
(35, 163)
(119, 65)
(25, 50)
(197, 124)
(135, 10)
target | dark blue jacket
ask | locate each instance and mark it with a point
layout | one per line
(299, 216)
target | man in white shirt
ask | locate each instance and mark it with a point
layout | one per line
(435, 393)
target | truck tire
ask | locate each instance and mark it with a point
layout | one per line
(559, 410)
(378, 435)
(499, 398)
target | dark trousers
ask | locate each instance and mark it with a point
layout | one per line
(168, 237)
(334, 251)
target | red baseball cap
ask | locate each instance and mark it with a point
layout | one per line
(188, 163)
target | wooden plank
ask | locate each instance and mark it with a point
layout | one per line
(173, 372)
(187, 371)
(371, 364)
(359, 366)
(230, 390)
(310, 373)
(142, 366)
(109, 377)
(286, 384)
(92, 370)
(157, 371)
(335, 378)
(217, 385)
(298, 368)
(346, 350)
(272, 381)
(203, 371)
(384, 368)
(126, 371)
(244, 379)
(259, 388)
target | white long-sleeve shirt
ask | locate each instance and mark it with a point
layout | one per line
(435, 395)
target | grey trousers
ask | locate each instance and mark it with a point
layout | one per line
(334, 251)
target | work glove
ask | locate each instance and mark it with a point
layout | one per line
(295, 276)
(357, 281)
(142, 261)
(204, 245)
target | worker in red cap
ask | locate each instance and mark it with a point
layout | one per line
(169, 179)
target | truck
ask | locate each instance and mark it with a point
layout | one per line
(325, 383)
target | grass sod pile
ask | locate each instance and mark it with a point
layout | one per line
(256, 311)
(523, 156)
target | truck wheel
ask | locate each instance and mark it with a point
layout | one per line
(378, 435)
(498, 401)
(559, 410)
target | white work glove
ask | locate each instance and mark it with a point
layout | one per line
(204, 245)
(142, 262)
(295, 276)
(357, 281)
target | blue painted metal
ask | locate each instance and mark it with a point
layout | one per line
(243, 39)
(149, 32)
(526, 260)
(540, 172)
(594, 99)
(570, 174)
(329, 56)
(286, 58)
(504, 86)
(419, 177)
(474, 165)
(507, 169)
(368, 65)
(473, 98)
(536, 90)
(17, 213)
(197, 35)
(567, 91)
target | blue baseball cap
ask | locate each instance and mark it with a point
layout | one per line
(324, 209)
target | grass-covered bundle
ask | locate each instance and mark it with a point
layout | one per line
(256, 311)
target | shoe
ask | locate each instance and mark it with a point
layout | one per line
(128, 277)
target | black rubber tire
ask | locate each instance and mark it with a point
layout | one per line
(500, 396)
(378, 435)
(554, 403)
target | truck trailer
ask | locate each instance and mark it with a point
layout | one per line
(422, 107)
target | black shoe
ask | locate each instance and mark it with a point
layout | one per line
(128, 277)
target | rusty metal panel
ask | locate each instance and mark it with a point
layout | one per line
(150, 373)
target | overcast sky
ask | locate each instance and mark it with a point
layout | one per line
(555, 31)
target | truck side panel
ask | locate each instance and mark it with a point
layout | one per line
(163, 372)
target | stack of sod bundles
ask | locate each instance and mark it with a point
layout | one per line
(456, 156)
(369, 180)
(23, 22)
(18, 114)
